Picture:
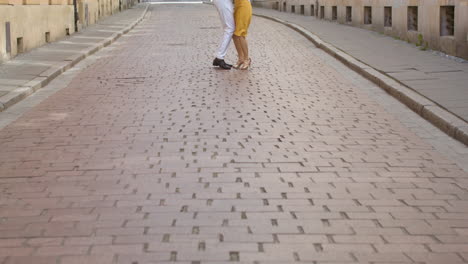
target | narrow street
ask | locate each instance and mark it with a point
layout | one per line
(150, 155)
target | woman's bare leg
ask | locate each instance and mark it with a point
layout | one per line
(240, 53)
(245, 49)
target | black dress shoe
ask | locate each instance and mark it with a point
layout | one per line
(222, 64)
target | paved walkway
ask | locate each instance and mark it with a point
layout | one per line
(150, 155)
(440, 79)
(29, 72)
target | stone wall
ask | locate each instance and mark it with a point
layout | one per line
(24, 27)
(90, 11)
(432, 24)
(27, 24)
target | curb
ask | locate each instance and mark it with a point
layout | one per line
(446, 121)
(53, 72)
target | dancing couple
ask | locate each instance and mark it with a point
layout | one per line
(235, 20)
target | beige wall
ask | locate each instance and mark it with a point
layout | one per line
(90, 11)
(429, 28)
(31, 19)
(31, 22)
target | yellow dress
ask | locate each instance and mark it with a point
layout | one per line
(242, 16)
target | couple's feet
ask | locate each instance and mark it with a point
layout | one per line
(225, 66)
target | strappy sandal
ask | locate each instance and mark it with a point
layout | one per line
(246, 66)
(238, 65)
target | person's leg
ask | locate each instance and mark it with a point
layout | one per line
(243, 16)
(225, 10)
(245, 48)
(240, 53)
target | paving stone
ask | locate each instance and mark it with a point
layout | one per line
(32, 259)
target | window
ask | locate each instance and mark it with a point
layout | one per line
(367, 15)
(388, 16)
(334, 12)
(412, 18)
(19, 45)
(349, 14)
(447, 20)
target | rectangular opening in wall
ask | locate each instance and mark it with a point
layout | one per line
(8, 37)
(367, 15)
(322, 12)
(284, 7)
(447, 20)
(277, 6)
(412, 18)
(302, 9)
(19, 45)
(349, 14)
(388, 16)
(334, 12)
(293, 9)
(312, 10)
(47, 37)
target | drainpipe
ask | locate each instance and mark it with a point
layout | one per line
(317, 8)
(75, 12)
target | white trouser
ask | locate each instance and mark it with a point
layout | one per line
(226, 13)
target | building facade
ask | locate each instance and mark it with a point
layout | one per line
(27, 24)
(432, 24)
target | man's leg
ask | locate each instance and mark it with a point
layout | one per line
(225, 10)
(226, 14)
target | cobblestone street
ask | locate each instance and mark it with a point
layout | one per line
(150, 155)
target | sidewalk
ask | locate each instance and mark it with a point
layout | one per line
(439, 79)
(31, 71)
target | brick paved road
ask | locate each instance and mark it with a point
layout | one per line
(151, 156)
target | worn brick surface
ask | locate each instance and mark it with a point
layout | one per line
(152, 156)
